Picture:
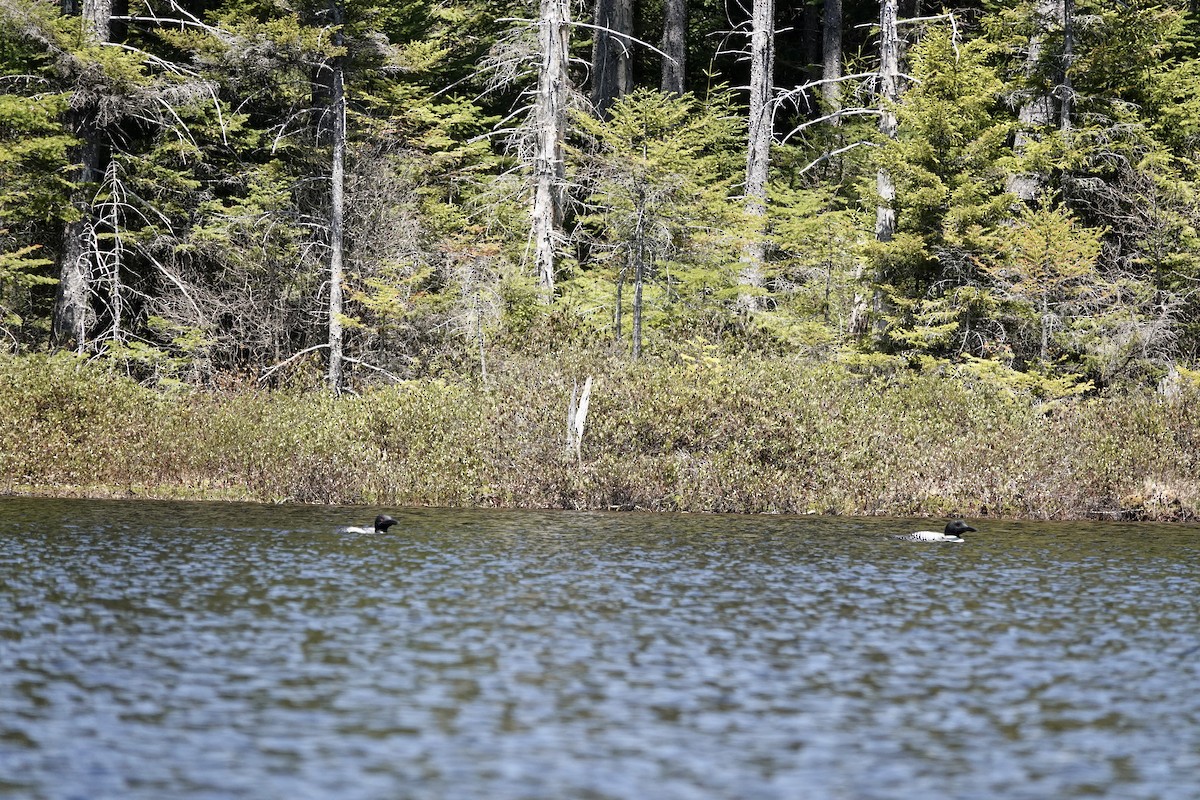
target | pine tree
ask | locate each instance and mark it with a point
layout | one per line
(660, 170)
(947, 162)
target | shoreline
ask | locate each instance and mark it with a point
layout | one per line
(166, 495)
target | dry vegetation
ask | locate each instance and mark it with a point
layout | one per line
(682, 434)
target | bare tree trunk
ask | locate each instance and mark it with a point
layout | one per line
(758, 153)
(885, 211)
(1037, 111)
(550, 119)
(1046, 322)
(577, 418)
(674, 44)
(618, 322)
(639, 272)
(336, 211)
(97, 18)
(73, 315)
(889, 95)
(639, 275)
(612, 62)
(812, 41)
(1066, 92)
(77, 263)
(831, 52)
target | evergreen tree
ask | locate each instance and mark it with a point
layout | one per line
(34, 186)
(949, 168)
(660, 172)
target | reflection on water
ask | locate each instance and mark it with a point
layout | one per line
(152, 650)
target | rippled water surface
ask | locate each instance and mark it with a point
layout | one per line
(167, 650)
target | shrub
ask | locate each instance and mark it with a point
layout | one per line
(674, 431)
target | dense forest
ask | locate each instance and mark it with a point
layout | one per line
(199, 191)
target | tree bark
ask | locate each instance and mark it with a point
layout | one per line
(889, 95)
(1066, 91)
(639, 272)
(618, 322)
(550, 119)
(612, 64)
(1037, 112)
(96, 16)
(758, 153)
(831, 52)
(813, 39)
(674, 44)
(888, 87)
(77, 263)
(337, 108)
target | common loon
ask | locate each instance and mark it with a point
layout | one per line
(382, 523)
(953, 533)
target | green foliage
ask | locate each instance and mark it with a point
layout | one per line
(1045, 267)
(34, 193)
(20, 270)
(948, 163)
(1043, 386)
(659, 172)
(33, 158)
(207, 214)
(814, 273)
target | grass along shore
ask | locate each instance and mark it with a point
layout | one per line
(674, 433)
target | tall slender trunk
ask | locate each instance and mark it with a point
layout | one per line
(1047, 320)
(888, 87)
(1037, 112)
(77, 260)
(336, 212)
(674, 44)
(813, 38)
(889, 95)
(758, 153)
(618, 322)
(550, 119)
(73, 314)
(639, 271)
(831, 52)
(612, 62)
(1066, 99)
(96, 16)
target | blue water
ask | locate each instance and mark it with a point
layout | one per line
(171, 650)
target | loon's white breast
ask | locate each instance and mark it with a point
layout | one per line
(930, 536)
(951, 534)
(382, 523)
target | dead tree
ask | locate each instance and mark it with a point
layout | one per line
(337, 108)
(889, 95)
(758, 151)
(831, 53)
(77, 263)
(550, 121)
(1038, 109)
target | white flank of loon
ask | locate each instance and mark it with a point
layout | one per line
(382, 523)
(953, 533)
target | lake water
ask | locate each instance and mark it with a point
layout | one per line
(175, 650)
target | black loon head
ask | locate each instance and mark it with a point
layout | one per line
(383, 522)
(957, 528)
